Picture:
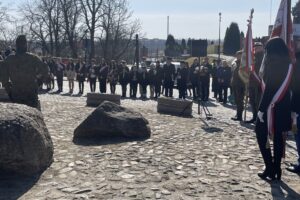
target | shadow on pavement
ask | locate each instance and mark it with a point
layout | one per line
(13, 186)
(281, 191)
(98, 141)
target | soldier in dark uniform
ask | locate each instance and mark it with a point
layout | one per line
(124, 78)
(276, 63)
(151, 75)
(143, 81)
(133, 81)
(169, 77)
(182, 78)
(20, 74)
(158, 76)
(238, 88)
(295, 168)
(81, 73)
(254, 84)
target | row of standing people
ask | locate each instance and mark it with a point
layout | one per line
(159, 78)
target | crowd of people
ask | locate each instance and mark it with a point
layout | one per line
(268, 105)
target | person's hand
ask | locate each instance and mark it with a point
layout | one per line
(260, 116)
(294, 118)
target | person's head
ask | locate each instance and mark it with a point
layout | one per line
(258, 47)
(123, 62)
(206, 60)
(196, 61)
(134, 68)
(182, 64)
(152, 66)
(169, 60)
(276, 47)
(238, 55)
(157, 64)
(224, 63)
(21, 44)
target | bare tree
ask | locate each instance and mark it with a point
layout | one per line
(92, 12)
(71, 10)
(118, 29)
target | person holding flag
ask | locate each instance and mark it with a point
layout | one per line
(274, 115)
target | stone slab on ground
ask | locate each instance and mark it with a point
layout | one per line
(174, 107)
(95, 99)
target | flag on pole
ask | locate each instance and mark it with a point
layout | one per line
(283, 29)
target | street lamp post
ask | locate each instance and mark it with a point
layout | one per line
(219, 47)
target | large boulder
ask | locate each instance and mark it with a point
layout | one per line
(112, 120)
(95, 99)
(25, 144)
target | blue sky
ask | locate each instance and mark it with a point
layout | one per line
(197, 18)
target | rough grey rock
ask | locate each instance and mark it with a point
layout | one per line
(25, 144)
(111, 120)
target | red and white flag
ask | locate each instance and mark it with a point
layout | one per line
(283, 28)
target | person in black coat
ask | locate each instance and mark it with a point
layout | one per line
(133, 81)
(143, 81)
(81, 73)
(194, 78)
(102, 76)
(60, 68)
(151, 80)
(92, 75)
(276, 64)
(205, 79)
(215, 83)
(169, 72)
(182, 78)
(124, 78)
(158, 77)
(295, 168)
(224, 76)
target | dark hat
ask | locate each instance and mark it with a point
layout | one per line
(169, 58)
(258, 44)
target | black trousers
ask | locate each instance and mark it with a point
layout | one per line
(195, 90)
(262, 137)
(124, 90)
(93, 84)
(182, 90)
(102, 85)
(81, 86)
(223, 92)
(239, 95)
(133, 88)
(113, 88)
(254, 99)
(204, 90)
(157, 90)
(169, 85)
(144, 90)
(60, 80)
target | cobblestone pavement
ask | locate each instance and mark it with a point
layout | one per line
(185, 158)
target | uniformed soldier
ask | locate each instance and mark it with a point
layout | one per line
(143, 81)
(254, 84)
(20, 74)
(238, 88)
(133, 81)
(158, 76)
(124, 77)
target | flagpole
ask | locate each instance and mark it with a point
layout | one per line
(288, 21)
